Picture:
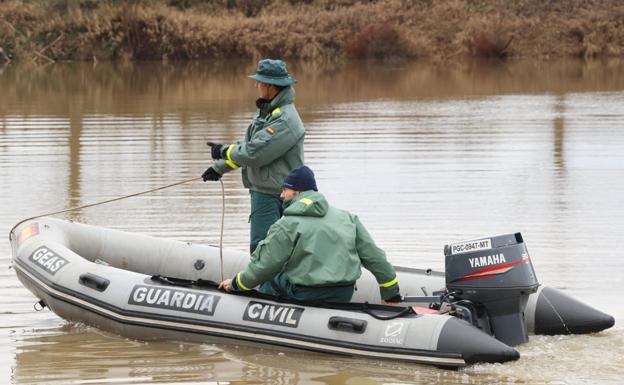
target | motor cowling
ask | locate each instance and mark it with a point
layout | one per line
(490, 280)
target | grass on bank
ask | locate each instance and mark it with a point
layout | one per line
(311, 30)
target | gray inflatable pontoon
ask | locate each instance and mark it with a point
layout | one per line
(146, 288)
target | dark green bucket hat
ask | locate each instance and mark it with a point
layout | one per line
(273, 72)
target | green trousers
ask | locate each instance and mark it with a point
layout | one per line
(266, 209)
(280, 286)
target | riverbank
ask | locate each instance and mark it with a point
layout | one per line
(314, 30)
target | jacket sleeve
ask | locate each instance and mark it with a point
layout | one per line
(268, 259)
(223, 166)
(374, 259)
(264, 146)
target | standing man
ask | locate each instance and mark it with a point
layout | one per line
(315, 251)
(272, 146)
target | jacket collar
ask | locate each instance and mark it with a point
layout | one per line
(308, 204)
(285, 96)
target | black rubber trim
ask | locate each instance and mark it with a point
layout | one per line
(345, 324)
(228, 326)
(94, 281)
(476, 349)
(570, 317)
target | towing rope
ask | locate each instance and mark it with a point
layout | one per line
(222, 221)
(134, 195)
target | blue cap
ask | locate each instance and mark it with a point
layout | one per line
(300, 179)
(273, 72)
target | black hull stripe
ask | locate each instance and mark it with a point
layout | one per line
(231, 330)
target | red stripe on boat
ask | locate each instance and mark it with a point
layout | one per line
(477, 277)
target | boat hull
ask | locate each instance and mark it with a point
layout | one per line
(414, 338)
(106, 278)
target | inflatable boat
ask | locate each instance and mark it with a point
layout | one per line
(146, 288)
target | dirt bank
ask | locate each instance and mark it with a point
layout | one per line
(317, 30)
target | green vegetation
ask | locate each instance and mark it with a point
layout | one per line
(313, 30)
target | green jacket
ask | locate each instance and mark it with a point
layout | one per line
(315, 244)
(272, 147)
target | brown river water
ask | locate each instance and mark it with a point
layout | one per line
(425, 154)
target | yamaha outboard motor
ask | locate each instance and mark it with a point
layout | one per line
(490, 280)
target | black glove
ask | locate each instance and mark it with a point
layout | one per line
(396, 299)
(215, 150)
(211, 174)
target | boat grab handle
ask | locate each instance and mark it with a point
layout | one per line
(183, 282)
(94, 281)
(347, 324)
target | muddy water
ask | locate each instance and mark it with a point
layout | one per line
(424, 154)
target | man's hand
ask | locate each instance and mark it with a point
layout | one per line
(215, 150)
(211, 174)
(226, 285)
(396, 300)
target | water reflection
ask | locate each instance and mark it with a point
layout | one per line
(76, 353)
(216, 90)
(559, 163)
(73, 185)
(85, 354)
(558, 137)
(79, 352)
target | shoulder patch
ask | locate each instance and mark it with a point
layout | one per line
(276, 111)
(271, 130)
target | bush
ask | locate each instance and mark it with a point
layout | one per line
(488, 36)
(380, 41)
(486, 45)
(316, 30)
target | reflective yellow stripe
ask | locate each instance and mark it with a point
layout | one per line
(306, 201)
(240, 283)
(276, 111)
(228, 159)
(389, 283)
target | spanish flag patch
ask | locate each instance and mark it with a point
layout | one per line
(270, 130)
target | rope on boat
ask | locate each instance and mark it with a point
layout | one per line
(134, 195)
(222, 221)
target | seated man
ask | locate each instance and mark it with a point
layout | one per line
(314, 252)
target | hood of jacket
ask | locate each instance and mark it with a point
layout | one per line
(308, 204)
